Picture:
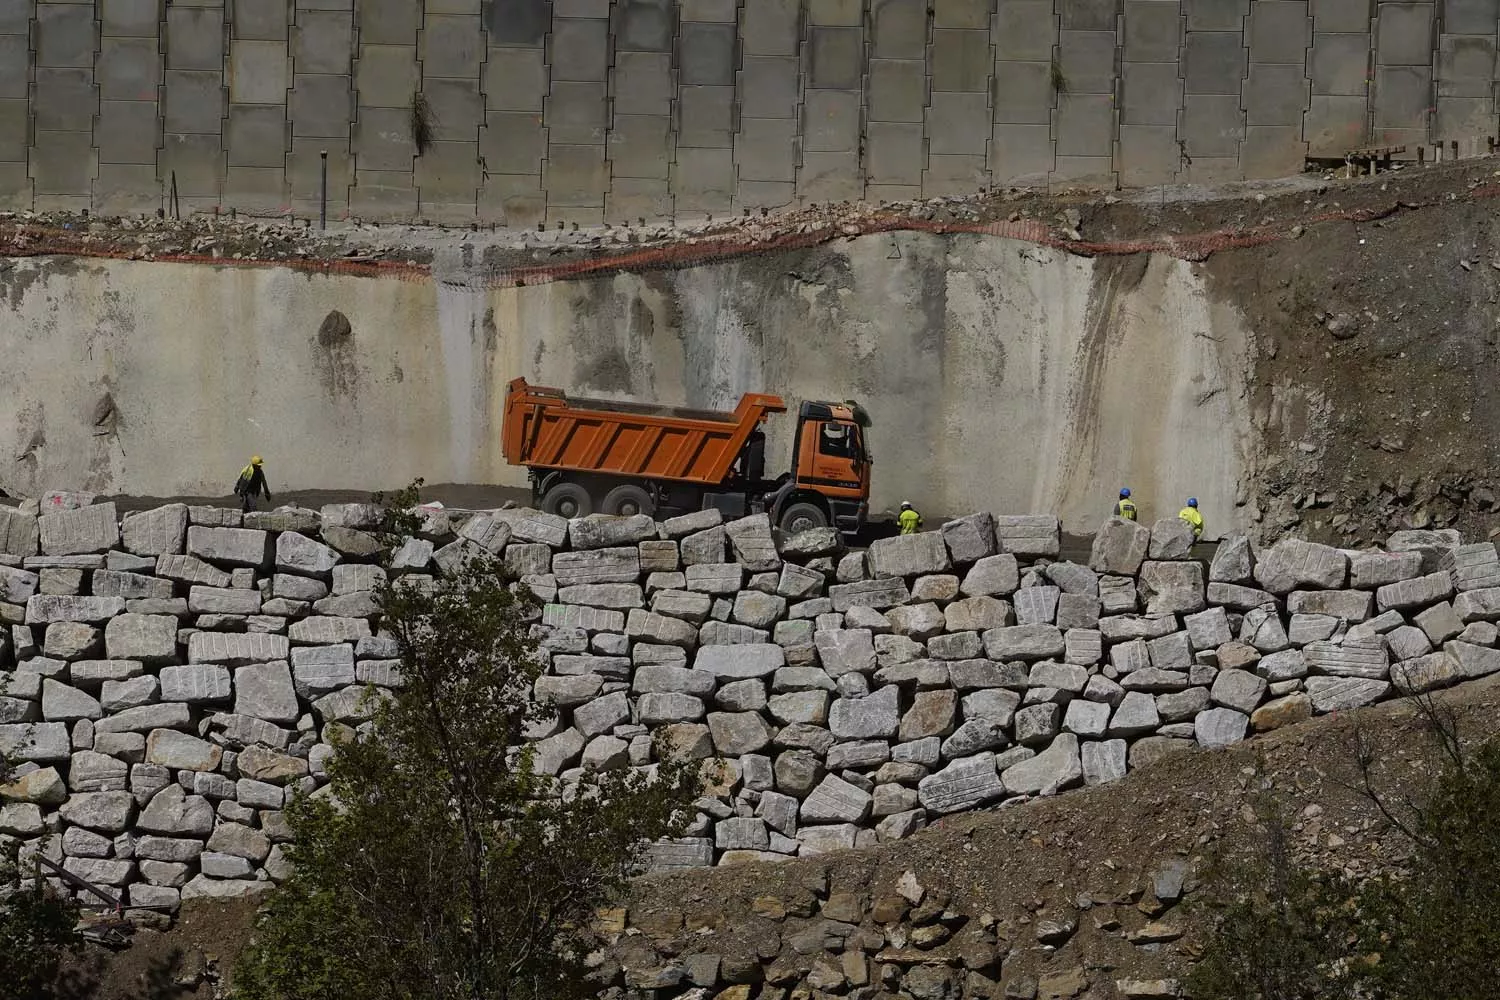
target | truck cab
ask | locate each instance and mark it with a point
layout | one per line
(830, 478)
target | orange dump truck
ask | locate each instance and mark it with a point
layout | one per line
(594, 456)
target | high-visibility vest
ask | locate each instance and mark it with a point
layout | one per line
(1126, 509)
(910, 522)
(1192, 517)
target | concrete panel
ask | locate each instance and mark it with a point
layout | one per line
(960, 60)
(195, 38)
(706, 55)
(383, 195)
(1210, 126)
(458, 107)
(448, 174)
(766, 149)
(1403, 34)
(15, 69)
(255, 136)
(512, 22)
(575, 176)
(770, 29)
(1087, 61)
(642, 83)
(126, 189)
(898, 28)
(1402, 96)
(259, 190)
(578, 49)
(138, 18)
(15, 131)
(129, 69)
(580, 8)
(15, 16)
(1024, 30)
(322, 106)
(958, 123)
(260, 73)
(1463, 117)
(1215, 15)
(832, 122)
(1148, 155)
(16, 193)
(323, 42)
(705, 117)
(843, 13)
(65, 36)
(1084, 125)
(1272, 151)
(895, 154)
(1211, 170)
(1153, 31)
(198, 162)
(127, 132)
(1279, 31)
(640, 146)
(881, 194)
(829, 177)
(703, 180)
(955, 176)
(1214, 62)
(513, 142)
(1342, 15)
(1151, 94)
(382, 139)
(837, 58)
(62, 163)
(1092, 172)
(1335, 125)
(1471, 17)
(64, 100)
(1087, 15)
(962, 13)
(1021, 155)
(632, 198)
(1466, 65)
(266, 21)
(385, 76)
(451, 45)
(645, 26)
(1339, 64)
(1275, 94)
(709, 10)
(898, 90)
(194, 101)
(763, 194)
(515, 80)
(768, 87)
(576, 113)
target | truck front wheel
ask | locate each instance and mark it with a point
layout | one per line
(568, 500)
(799, 517)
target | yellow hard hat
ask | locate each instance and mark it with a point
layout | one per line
(254, 459)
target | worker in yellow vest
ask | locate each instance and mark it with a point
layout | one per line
(1192, 517)
(910, 520)
(1125, 507)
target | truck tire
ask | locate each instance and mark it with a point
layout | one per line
(627, 500)
(802, 517)
(568, 500)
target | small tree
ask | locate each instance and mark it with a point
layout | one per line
(37, 925)
(437, 862)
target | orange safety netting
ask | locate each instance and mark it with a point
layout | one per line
(32, 241)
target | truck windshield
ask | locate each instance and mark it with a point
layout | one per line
(839, 440)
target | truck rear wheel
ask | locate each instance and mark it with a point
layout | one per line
(627, 501)
(568, 500)
(800, 517)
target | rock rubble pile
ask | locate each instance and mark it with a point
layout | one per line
(171, 678)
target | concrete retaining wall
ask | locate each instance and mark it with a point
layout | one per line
(169, 680)
(997, 373)
(591, 110)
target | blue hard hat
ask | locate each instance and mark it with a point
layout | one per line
(1125, 491)
(1192, 501)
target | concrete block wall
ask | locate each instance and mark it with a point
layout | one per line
(587, 111)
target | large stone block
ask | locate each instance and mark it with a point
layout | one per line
(87, 529)
(232, 546)
(43, 609)
(19, 534)
(1293, 563)
(148, 638)
(963, 784)
(1053, 769)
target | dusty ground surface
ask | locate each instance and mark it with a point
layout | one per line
(1086, 857)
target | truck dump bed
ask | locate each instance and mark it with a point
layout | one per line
(544, 429)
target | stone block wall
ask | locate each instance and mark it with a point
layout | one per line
(559, 111)
(171, 677)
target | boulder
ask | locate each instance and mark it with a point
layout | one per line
(1052, 770)
(1292, 563)
(1120, 546)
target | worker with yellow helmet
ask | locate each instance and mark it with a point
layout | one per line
(252, 483)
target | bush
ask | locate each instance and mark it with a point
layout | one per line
(37, 926)
(437, 862)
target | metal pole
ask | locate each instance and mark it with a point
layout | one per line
(323, 195)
